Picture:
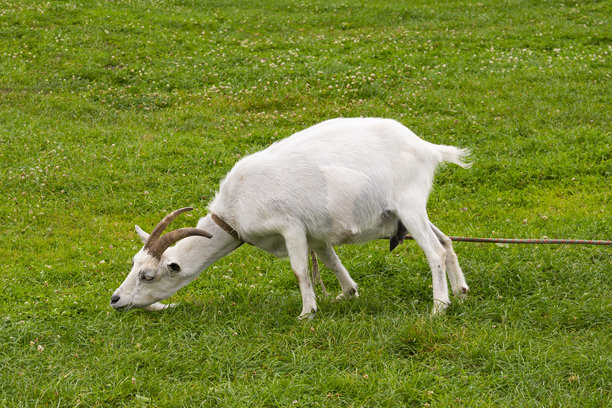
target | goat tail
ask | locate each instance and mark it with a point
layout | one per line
(452, 154)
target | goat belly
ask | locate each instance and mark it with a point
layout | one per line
(382, 226)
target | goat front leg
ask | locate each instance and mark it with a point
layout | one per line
(347, 284)
(297, 249)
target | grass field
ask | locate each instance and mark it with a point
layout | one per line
(113, 113)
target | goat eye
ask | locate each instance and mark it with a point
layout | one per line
(174, 267)
(147, 276)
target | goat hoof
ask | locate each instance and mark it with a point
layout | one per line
(461, 292)
(307, 316)
(439, 308)
(351, 293)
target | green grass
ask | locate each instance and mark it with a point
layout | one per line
(114, 113)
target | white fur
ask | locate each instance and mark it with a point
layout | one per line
(341, 181)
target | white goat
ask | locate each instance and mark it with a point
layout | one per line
(341, 181)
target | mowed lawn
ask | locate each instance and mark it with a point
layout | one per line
(113, 113)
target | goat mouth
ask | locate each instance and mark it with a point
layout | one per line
(122, 308)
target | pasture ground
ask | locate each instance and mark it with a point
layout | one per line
(114, 113)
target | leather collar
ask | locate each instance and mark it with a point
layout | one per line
(225, 227)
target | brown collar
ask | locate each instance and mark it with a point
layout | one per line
(225, 226)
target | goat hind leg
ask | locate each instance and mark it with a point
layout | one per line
(418, 225)
(453, 270)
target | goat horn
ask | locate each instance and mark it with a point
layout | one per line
(159, 246)
(159, 229)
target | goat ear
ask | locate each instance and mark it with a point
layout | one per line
(143, 235)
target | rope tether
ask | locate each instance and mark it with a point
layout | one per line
(529, 241)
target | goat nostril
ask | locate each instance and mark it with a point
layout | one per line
(115, 298)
